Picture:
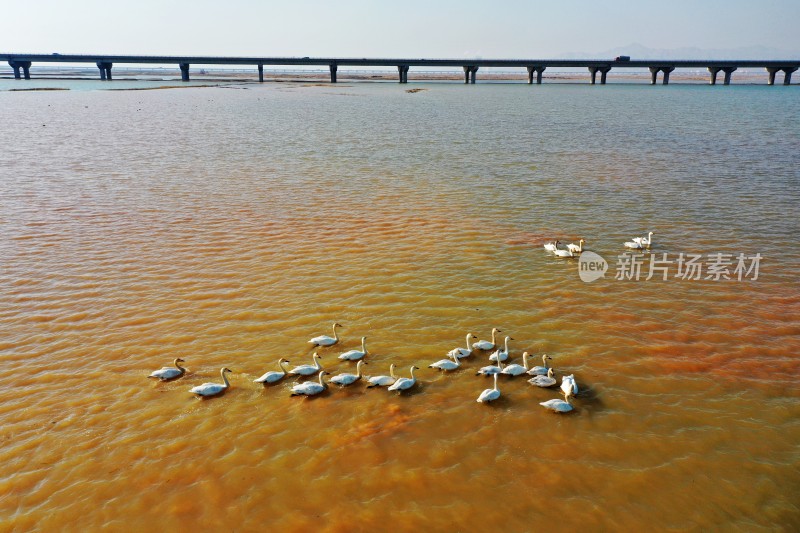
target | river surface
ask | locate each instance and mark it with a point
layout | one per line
(228, 225)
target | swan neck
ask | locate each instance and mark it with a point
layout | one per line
(494, 336)
(224, 378)
(525, 360)
(391, 371)
(281, 363)
(358, 368)
(467, 341)
(412, 373)
(179, 366)
(364, 344)
(335, 336)
(506, 344)
(544, 360)
(495, 382)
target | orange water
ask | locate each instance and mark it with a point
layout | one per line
(228, 226)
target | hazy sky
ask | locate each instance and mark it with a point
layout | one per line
(411, 28)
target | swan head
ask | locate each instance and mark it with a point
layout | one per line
(226, 370)
(549, 372)
(363, 339)
(581, 241)
(545, 357)
(316, 356)
(283, 360)
(178, 360)
(495, 330)
(525, 355)
(337, 325)
(509, 338)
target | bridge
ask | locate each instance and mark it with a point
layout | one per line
(22, 63)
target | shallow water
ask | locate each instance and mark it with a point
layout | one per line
(227, 226)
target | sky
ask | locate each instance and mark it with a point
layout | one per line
(411, 28)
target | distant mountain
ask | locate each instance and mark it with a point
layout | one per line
(639, 51)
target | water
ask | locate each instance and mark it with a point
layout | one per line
(228, 225)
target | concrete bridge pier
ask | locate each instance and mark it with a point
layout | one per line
(728, 71)
(666, 71)
(469, 73)
(402, 71)
(334, 67)
(261, 72)
(653, 74)
(772, 71)
(713, 71)
(184, 71)
(787, 75)
(602, 70)
(24, 65)
(105, 70)
(538, 70)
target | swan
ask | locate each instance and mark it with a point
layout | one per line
(167, 373)
(564, 253)
(540, 370)
(634, 245)
(462, 352)
(310, 388)
(558, 406)
(568, 386)
(576, 248)
(446, 364)
(644, 241)
(355, 355)
(502, 354)
(552, 246)
(273, 376)
(343, 380)
(517, 370)
(404, 383)
(490, 370)
(486, 345)
(543, 381)
(212, 389)
(382, 381)
(324, 340)
(489, 395)
(307, 370)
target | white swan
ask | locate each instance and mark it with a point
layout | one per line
(310, 388)
(552, 246)
(576, 248)
(502, 354)
(382, 381)
(559, 406)
(355, 355)
(167, 373)
(462, 352)
(634, 245)
(486, 345)
(543, 381)
(272, 376)
(212, 389)
(324, 340)
(446, 364)
(564, 253)
(343, 380)
(490, 370)
(644, 241)
(489, 395)
(515, 369)
(404, 383)
(540, 370)
(569, 386)
(307, 370)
